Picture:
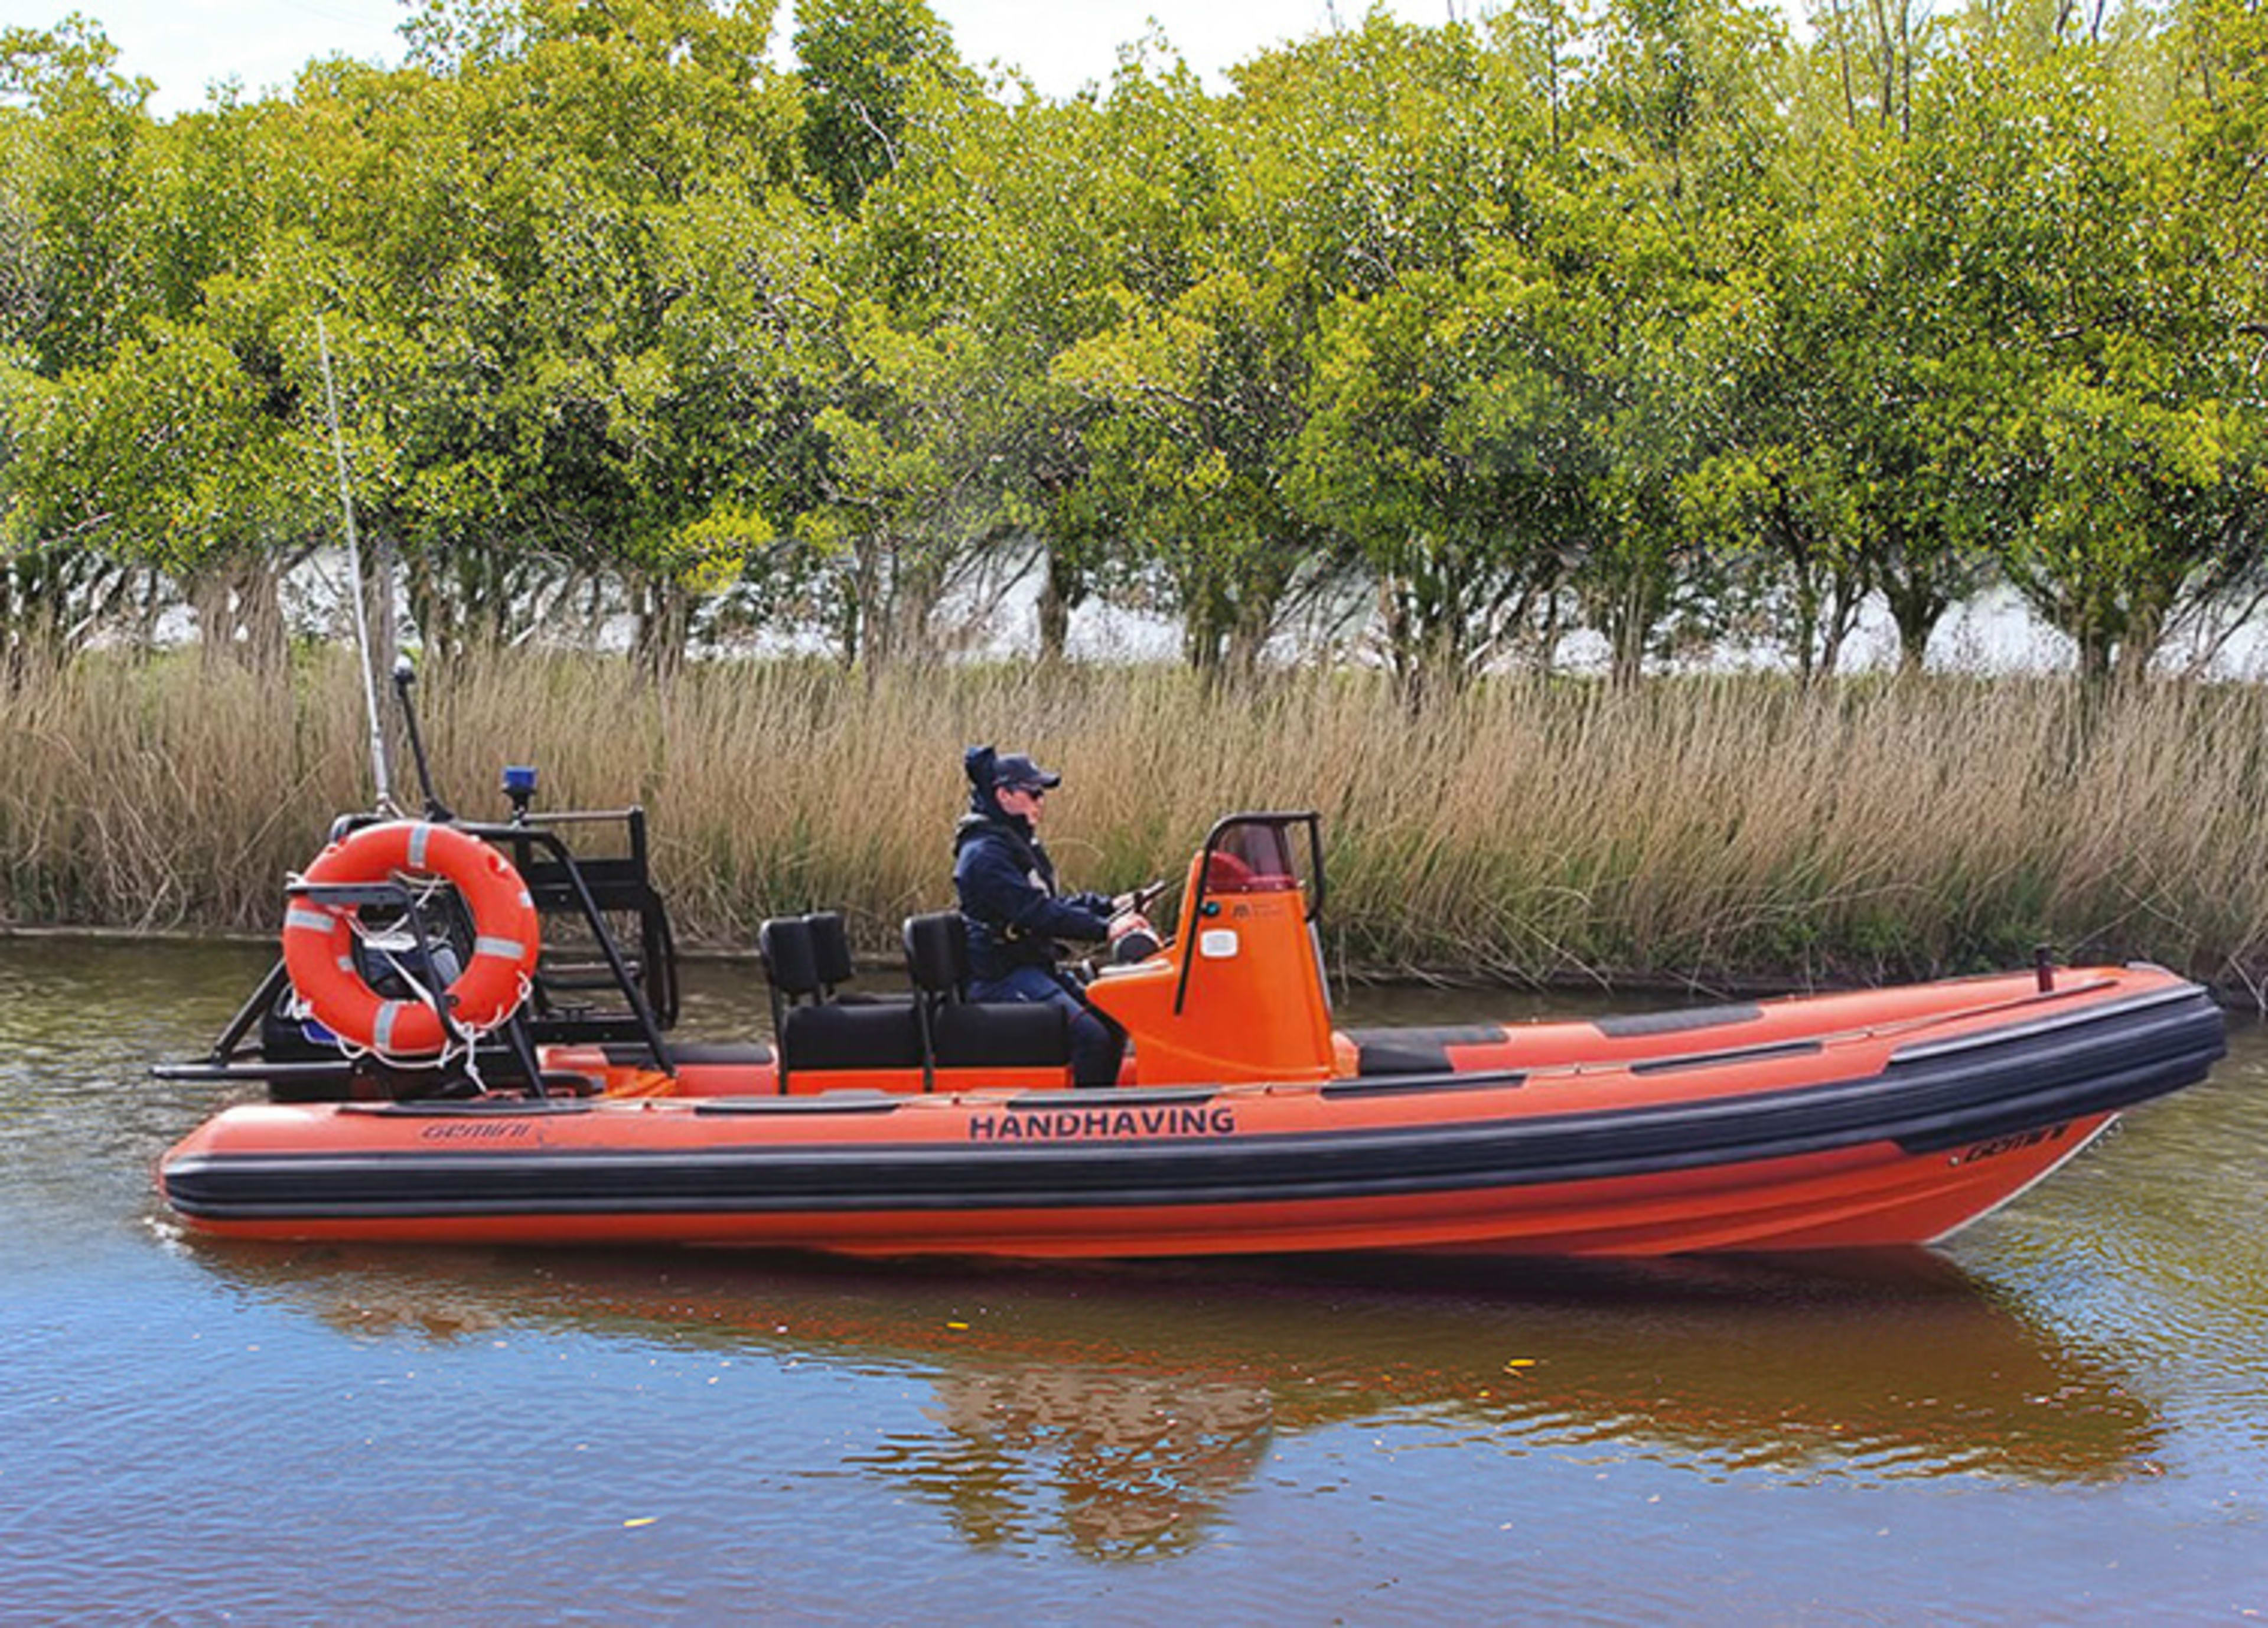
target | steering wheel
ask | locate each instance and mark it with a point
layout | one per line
(1140, 944)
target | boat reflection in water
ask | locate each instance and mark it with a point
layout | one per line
(1121, 1409)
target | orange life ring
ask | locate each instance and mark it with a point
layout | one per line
(318, 939)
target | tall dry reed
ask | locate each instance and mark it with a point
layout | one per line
(1705, 831)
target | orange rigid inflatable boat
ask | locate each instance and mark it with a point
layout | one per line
(1244, 1122)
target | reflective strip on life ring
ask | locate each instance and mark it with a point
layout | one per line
(318, 939)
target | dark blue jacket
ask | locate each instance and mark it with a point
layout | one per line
(1006, 885)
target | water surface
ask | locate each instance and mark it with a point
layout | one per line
(2062, 1417)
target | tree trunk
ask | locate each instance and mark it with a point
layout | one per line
(380, 606)
(665, 627)
(239, 612)
(1916, 608)
(434, 609)
(1060, 592)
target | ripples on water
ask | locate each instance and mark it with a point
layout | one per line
(2059, 1421)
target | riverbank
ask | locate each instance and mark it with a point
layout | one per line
(1696, 832)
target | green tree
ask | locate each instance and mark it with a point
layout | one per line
(84, 193)
(1656, 219)
(558, 157)
(1429, 438)
(863, 65)
(165, 456)
(2113, 445)
(1202, 374)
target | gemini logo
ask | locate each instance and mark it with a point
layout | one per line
(2011, 1143)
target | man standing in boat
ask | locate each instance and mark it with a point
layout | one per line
(1006, 885)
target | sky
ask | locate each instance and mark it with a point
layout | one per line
(185, 45)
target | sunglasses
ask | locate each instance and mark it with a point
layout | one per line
(1035, 793)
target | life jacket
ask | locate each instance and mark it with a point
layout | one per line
(996, 942)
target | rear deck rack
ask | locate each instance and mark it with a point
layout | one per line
(587, 987)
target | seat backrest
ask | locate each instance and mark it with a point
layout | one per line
(830, 949)
(790, 960)
(937, 955)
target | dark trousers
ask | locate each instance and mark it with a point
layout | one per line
(1097, 1045)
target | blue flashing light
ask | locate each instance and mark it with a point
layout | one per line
(519, 779)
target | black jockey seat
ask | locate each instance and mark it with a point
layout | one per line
(806, 958)
(957, 1032)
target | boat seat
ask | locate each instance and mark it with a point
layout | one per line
(790, 960)
(808, 958)
(834, 1036)
(830, 950)
(805, 957)
(957, 1032)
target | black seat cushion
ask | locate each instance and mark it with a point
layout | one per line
(881, 1035)
(1001, 1035)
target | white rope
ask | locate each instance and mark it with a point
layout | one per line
(450, 1051)
(460, 1038)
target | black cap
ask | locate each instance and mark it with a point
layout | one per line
(1016, 772)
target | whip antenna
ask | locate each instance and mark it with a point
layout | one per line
(378, 764)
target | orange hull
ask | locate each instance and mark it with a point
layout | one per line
(1841, 1120)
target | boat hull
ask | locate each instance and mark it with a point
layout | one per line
(1895, 1128)
(1865, 1199)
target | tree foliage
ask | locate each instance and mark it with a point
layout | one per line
(1649, 321)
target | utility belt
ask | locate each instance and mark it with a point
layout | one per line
(1010, 947)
